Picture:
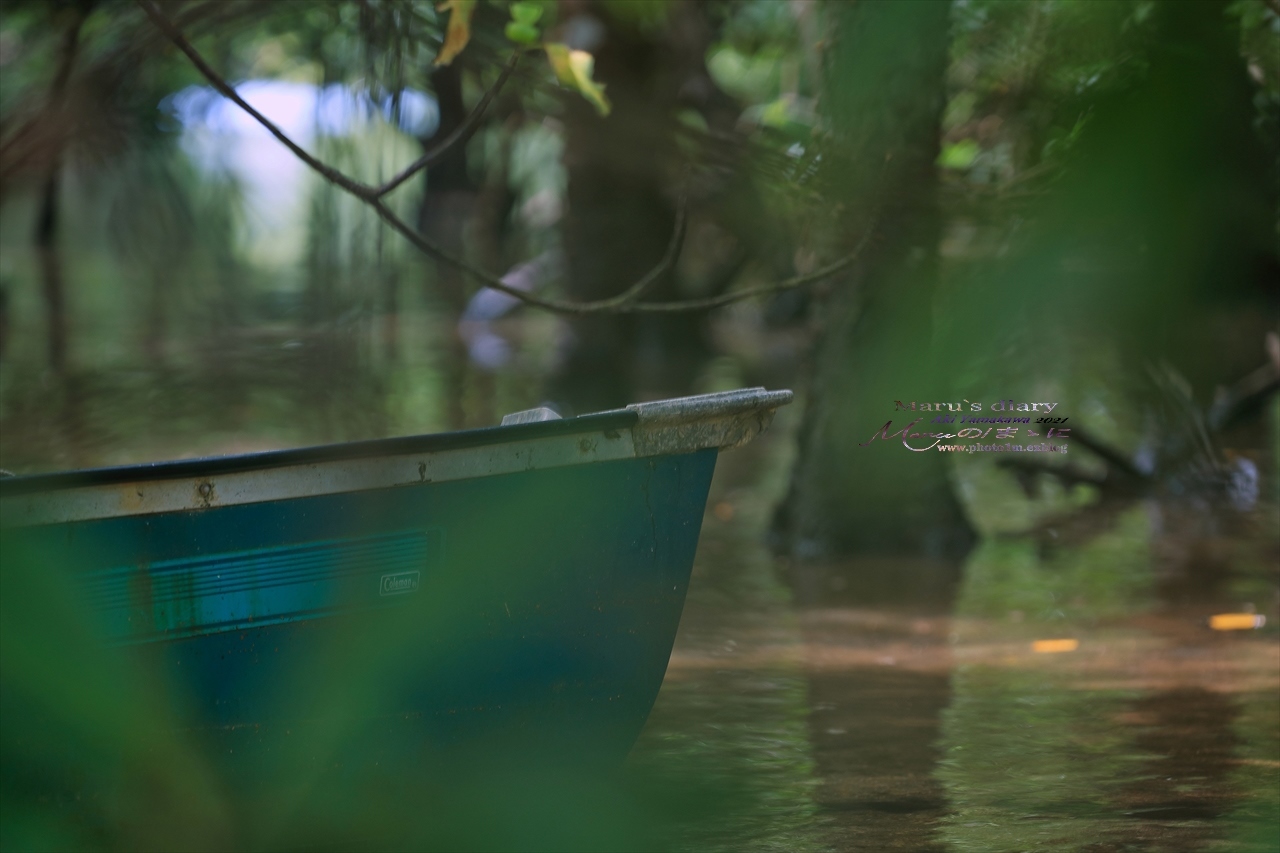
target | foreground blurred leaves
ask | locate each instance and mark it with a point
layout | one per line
(97, 752)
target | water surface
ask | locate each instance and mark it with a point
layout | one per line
(874, 704)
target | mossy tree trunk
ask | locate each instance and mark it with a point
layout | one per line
(885, 93)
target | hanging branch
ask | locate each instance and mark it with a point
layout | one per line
(792, 283)
(459, 136)
(357, 189)
(625, 302)
(621, 303)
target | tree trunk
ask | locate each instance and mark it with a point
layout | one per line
(446, 210)
(47, 220)
(46, 240)
(621, 211)
(885, 95)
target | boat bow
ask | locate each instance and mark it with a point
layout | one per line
(724, 421)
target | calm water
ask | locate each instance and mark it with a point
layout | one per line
(884, 706)
(877, 705)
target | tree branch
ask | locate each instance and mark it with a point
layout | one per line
(330, 174)
(50, 148)
(459, 136)
(763, 290)
(624, 302)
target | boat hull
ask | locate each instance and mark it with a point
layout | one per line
(444, 601)
(523, 613)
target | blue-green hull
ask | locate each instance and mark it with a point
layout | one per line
(497, 594)
(523, 612)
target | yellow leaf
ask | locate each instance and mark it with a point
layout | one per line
(558, 56)
(458, 33)
(573, 69)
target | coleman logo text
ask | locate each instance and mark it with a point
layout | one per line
(399, 583)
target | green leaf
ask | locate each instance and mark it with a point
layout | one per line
(525, 13)
(958, 155)
(521, 33)
(573, 69)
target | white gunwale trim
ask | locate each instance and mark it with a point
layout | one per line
(310, 480)
(665, 427)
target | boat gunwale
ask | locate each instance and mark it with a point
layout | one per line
(615, 420)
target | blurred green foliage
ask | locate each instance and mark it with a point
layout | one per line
(1107, 577)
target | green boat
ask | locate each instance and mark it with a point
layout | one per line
(515, 587)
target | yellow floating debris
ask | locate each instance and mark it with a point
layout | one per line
(1050, 647)
(1236, 621)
